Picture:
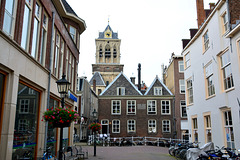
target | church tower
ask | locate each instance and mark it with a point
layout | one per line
(107, 56)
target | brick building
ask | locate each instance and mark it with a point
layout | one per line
(125, 111)
(39, 42)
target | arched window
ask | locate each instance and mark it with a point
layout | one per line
(114, 52)
(107, 51)
(100, 51)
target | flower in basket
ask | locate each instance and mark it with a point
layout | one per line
(95, 126)
(58, 116)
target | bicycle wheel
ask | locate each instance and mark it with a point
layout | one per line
(170, 151)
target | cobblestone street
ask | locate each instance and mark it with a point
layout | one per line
(128, 153)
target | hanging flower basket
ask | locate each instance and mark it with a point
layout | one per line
(60, 117)
(95, 127)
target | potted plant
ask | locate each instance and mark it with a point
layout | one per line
(95, 126)
(60, 117)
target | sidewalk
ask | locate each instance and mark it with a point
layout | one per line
(127, 153)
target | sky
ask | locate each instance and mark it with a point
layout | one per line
(150, 31)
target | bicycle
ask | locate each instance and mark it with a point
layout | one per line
(47, 154)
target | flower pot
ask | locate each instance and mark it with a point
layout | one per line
(59, 125)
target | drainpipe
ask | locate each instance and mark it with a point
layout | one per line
(174, 120)
(49, 78)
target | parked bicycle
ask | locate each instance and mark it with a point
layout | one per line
(47, 154)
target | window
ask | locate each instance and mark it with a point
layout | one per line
(152, 126)
(69, 66)
(208, 131)
(152, 107)
(181, 66)
(166, 126)
(131, 107)
(61, 59)
(183, 109)
(107, 52)
(228, 127)
(131, 126)
(120, 91)
(73, 73)
(189, 91)
(157, 90)
(166, 107)
(116, 107)
(66, 69)
(36, 30)
(195, 129)
(56, 60)
(9, 17)
(187, 60)
(43, 39)
(226, 70)
(182, 86)
(24, 106)
(73, 33)
(225, 22)
(205, 41)
(26, 24)
(22, 125)
(116, 126)
(209, 80)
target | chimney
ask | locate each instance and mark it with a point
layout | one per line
(200, 12)
(212, 6)
(193, 32)
(139, 76)
(185, 42)
(94, 85)
(132, 80)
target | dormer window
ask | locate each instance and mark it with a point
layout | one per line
(72, 31)
(120, 91)
(157, 90)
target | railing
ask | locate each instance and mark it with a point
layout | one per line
(106, 140)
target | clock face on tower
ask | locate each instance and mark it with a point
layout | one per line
(108, 34)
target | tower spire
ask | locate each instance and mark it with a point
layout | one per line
(108, 19)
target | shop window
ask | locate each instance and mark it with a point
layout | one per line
(25, 129)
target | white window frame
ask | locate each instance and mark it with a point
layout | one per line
(26, 25)
(116, 111)
(210, 88)
(73, 33)
(152, 126)
(43, 39)
(166, 126)
(131, 105)
(224, 18)
(22, 125)
(187, 61)
(157, 91)
(228, 128)
(183, 105)
(36, 30)
(180, 66)
(151, 110)
(164, 109)
(120, 91)
(226, 66)
(189, 94)
(182, 86)
(25, 103)
(9, 30)
(131, 125)
(205, 41)
(118, 125)
(207, 128)
(195, 129)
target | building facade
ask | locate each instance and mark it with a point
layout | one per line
(124, 111)
(211, 60)
(173, 78)
(39, 43)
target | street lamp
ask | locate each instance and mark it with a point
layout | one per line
(94, 113)
(63, 87)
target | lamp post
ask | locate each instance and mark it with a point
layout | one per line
(94, 113)
(63, 87)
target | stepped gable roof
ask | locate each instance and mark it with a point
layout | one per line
(158, 83)
(99, 80)
(114, 34)
(121, 81)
